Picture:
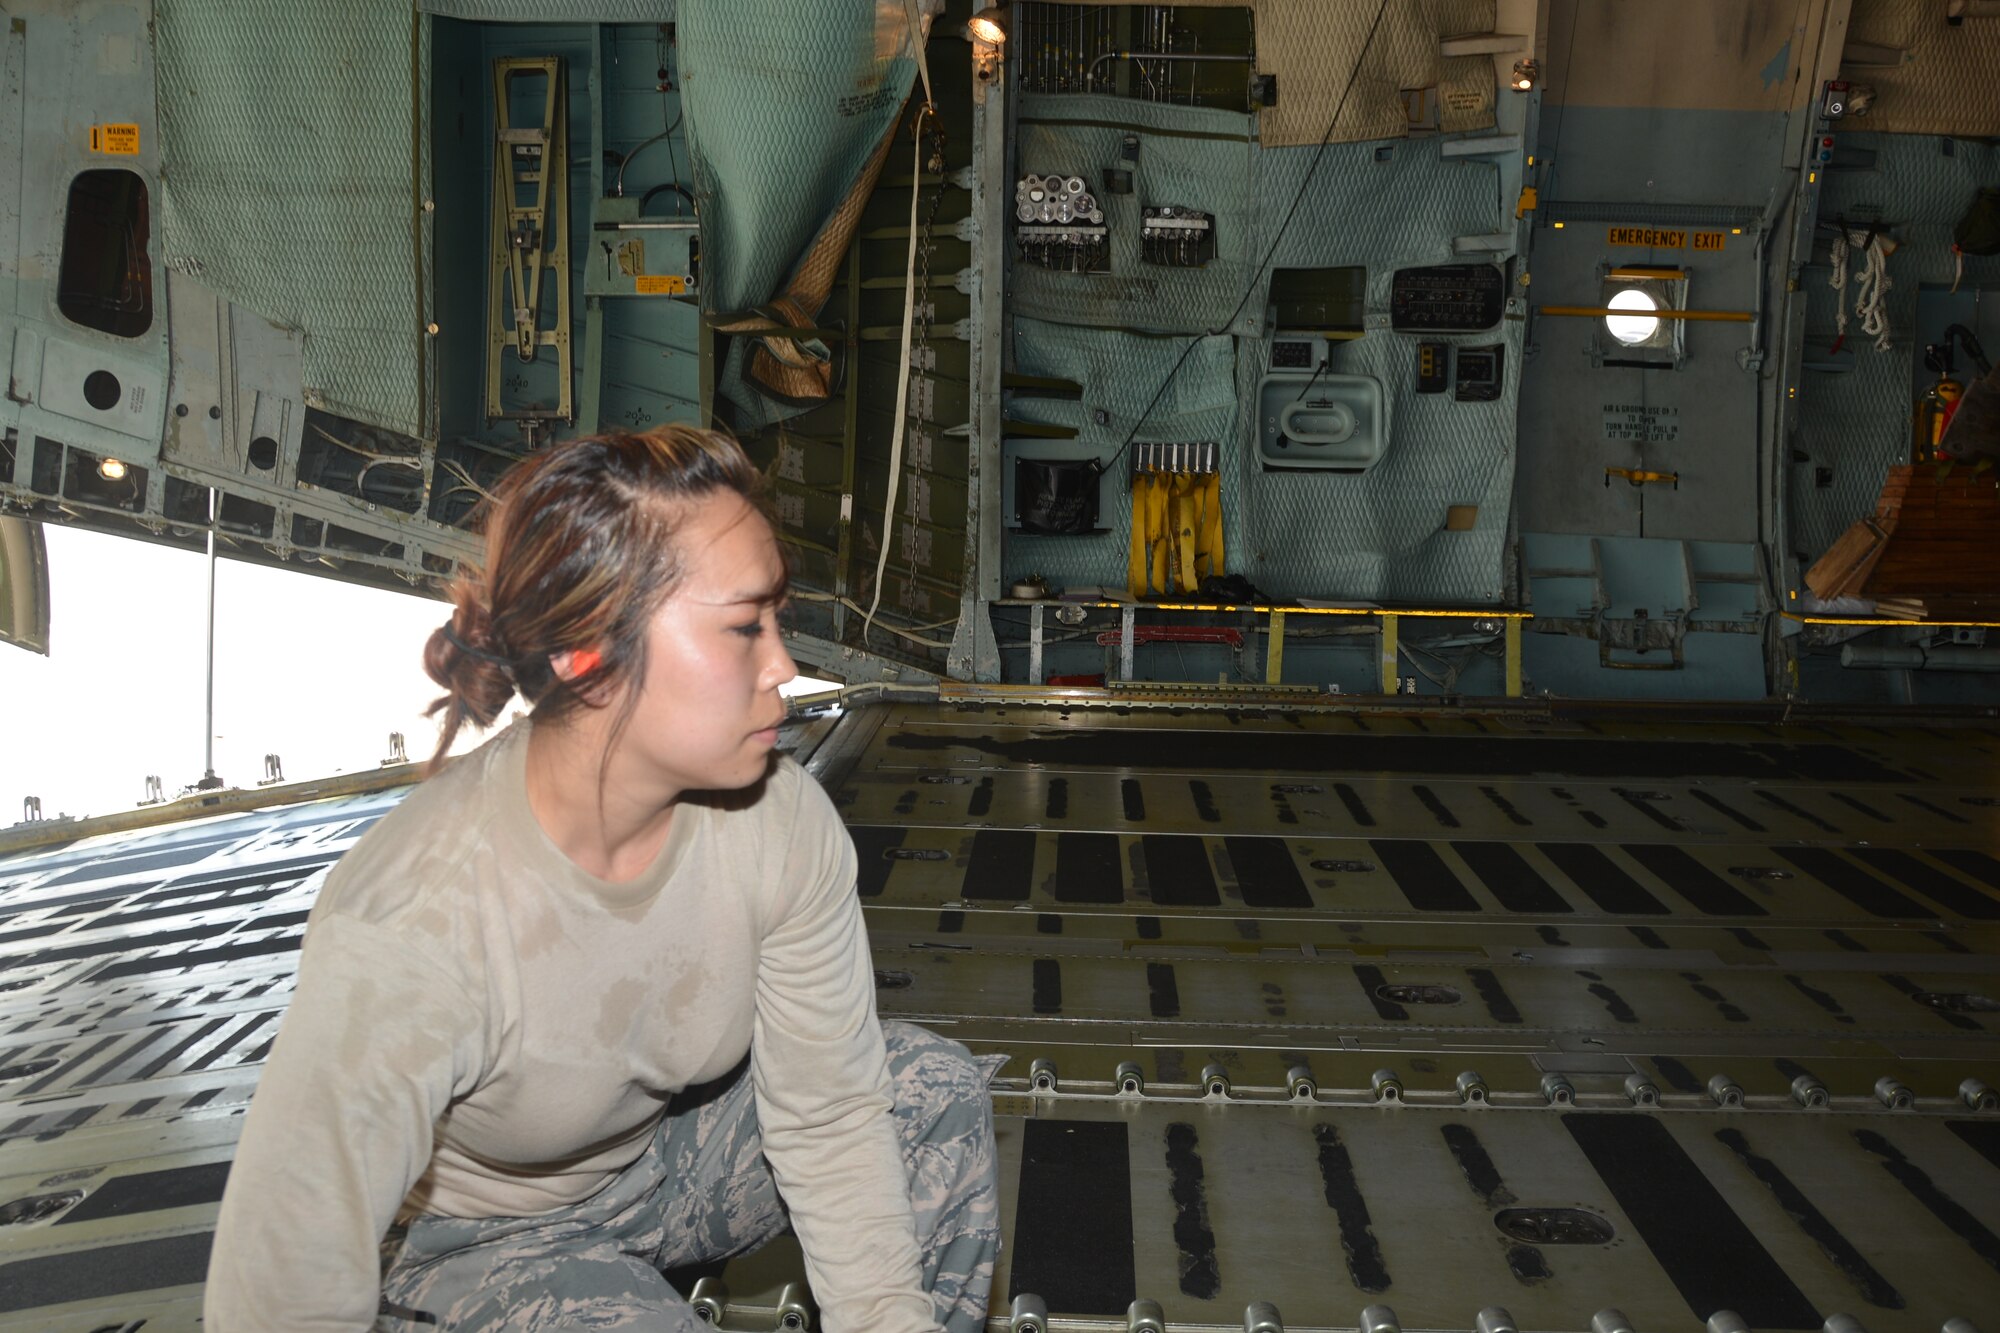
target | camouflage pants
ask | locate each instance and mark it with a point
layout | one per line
(702, 1192)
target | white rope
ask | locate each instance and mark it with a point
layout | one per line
(1869, 289)
(919, 33)
(1871, 285)
(902, 387)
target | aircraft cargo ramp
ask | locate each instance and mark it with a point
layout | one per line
(1319, 1016)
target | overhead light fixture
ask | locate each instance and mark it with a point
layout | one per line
(1526, 75)
(989, 25)
(111, 469)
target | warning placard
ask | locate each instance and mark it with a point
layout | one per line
(1710, 240)
(659, 284)
(1641, 423)
(118, 140)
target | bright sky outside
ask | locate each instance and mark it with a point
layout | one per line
(317, 672)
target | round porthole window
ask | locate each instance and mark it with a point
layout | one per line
(1632, 329)
(102, 390)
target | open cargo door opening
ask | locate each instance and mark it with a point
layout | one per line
(24, 585)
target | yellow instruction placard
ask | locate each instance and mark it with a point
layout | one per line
(659, 284)
(118, 140)
(1710, 240)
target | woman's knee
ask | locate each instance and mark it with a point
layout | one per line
(937, 1081)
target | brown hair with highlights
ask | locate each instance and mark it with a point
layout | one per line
(580, 552)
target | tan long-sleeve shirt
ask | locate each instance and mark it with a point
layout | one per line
(483, 1029)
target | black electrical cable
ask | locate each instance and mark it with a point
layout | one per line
(676, 186)
(1257, 276)
(1314, 379)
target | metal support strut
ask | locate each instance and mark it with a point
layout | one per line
(530, 238)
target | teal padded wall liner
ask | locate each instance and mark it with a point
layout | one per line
(785, 105)
(1856, 420)
(292, 170)
(1191, 157)
(1119, 372)
(1378, 536)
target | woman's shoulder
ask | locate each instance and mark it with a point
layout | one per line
(416, 852)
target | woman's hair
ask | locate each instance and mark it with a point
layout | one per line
(581, 550)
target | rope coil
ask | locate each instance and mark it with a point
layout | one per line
(1871, 284)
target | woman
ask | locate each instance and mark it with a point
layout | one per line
(591, 1000)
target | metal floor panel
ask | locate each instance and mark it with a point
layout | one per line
(1296, 1005)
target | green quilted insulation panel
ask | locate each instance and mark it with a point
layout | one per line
(292, 165)
(785, 106)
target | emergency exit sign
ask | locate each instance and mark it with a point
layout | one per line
(1667, 238)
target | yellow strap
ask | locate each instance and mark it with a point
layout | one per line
(1210, 546)
(1176, 532)
(1156, 526)
(1184, 530)
(1135, 566)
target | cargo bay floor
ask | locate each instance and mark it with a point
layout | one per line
(1329, 1007)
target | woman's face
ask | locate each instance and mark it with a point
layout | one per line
(708, 709)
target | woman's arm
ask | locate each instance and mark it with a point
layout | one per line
(823, 1090)
(377, 1041)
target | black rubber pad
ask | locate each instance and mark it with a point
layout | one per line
(1709, 1254)
(151, 1191)
(1073, 1221)
(112, 1270)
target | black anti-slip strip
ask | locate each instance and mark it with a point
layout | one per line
(151, 1191)
(1002, 866)
(1715, 1261)
(1507, 874)
(1954, 895)
(1372, 981)
(1982, 1136)
(111, 1270)
(240, 877)
(1708, 891)
(1177, 871)
(1365, 1265)
(1266, 752)
(1832, 1243)
(1163, 990)
(1087, 869)
(1266, 875)
(1965, 861)
(872, 843)
(1424, 878)
(1853, 883)
(1073, 1221)
(171, 962)
(134, 863)
(1953, 1214)
(1193, 1237)
(1600, 878)
(1048, 986)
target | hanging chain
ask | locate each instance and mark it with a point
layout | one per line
(923, 408)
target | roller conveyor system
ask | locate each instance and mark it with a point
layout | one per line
(1316, 1017)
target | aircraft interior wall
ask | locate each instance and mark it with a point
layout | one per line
(314, 242)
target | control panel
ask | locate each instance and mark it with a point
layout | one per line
(1059, 225)
(1446, 298)
(1176, 237)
